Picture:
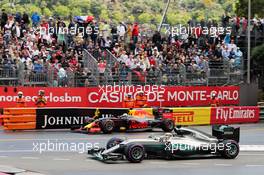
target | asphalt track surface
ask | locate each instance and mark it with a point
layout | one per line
(20, 150)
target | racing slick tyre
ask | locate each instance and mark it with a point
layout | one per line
(231, 149)
(107, 126)
(167, 125)
(135, 153)
(113, 142)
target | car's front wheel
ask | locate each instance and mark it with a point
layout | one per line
(135, 153)
(107, 126)
(230, 149)
(168, 125)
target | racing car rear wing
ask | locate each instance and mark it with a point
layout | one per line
(226, 132)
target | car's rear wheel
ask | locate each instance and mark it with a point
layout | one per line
(113, 142)
(135, 153)
(168, 125)
(107, 126)
(231, 149)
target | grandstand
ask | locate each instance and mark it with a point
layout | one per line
(120, 55)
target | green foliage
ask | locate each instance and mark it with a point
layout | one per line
(145, 11)
(96, 8)
(61, 10)
(145, 18)
(174, 18)
(157, 18)
(256, 7)
(31, 8)
(130, 18)
(118, 16)
(47, 12)
(79, 6)
(258, 55)
(104, 14)
(19, 8)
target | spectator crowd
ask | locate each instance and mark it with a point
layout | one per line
(44, 46)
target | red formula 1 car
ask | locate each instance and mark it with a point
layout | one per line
(127, 122)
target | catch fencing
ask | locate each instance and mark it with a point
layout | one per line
(218, 74)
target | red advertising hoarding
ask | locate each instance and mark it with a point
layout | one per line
(56, 97)
(112, 96)
(234, 114)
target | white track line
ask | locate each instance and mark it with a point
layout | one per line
(189, 163)
(3, 156)
(16, 151)
(222, 164)
(250, 154)
(254, 165)
(61, 159)
(251, 147)
(33, 158)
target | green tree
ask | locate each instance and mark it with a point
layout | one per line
(151, 9)
(157, 18)
(61, 10)
(174, 18)
(76, 12)
(96, 8)
(145, 18)
(20, 8)
(258, 55)
(130, 18)
(256, 7)
(79, 6)
(47, 12)
(31, 8)
(118, 16)
(104, 14)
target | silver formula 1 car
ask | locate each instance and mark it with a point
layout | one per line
(184, 142)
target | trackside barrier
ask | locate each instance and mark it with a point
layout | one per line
(112, 96)
(261, 108)
(261, 117)
(1, 113)
(192, 116)
(19, 118)
(59, 118)
(235, 114)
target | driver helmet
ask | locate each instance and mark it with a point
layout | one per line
(214, 95)
(20, 94)
(41, 92)
(168, 136)
(141, 92)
